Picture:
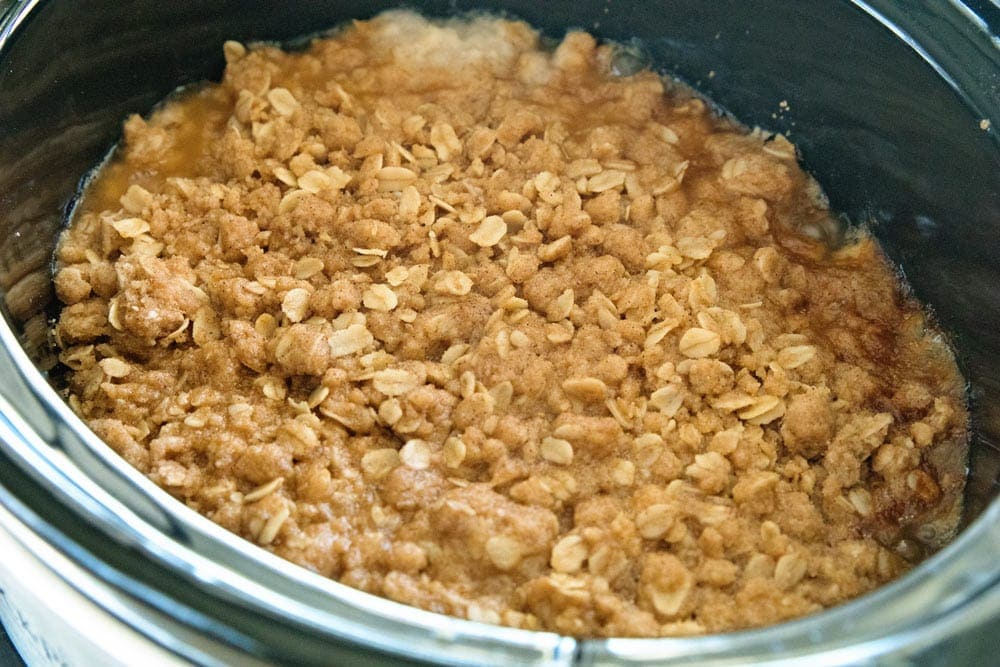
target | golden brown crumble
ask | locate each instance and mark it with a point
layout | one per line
(484, 329)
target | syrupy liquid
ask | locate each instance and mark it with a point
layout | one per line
(195, 123)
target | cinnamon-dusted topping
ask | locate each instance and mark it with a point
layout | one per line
(488, 330)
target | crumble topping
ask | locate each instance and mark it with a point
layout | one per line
(486, 329)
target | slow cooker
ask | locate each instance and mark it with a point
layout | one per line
(893, 107)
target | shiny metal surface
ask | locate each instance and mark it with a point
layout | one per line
(930, 178)
(55, 609)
